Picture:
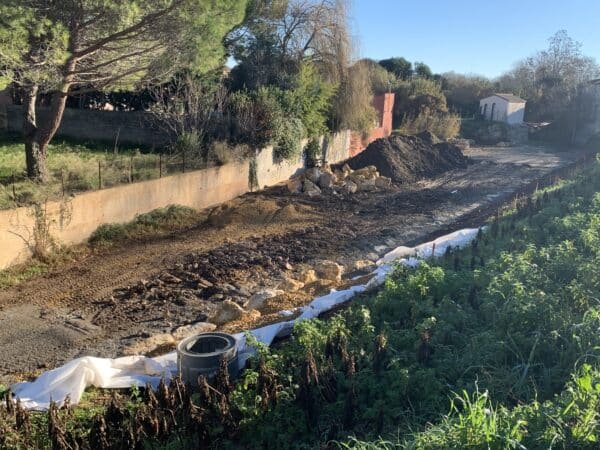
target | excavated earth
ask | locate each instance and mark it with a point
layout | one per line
(406, 159)
(114, 298)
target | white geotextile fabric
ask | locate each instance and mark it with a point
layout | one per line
(74, 377)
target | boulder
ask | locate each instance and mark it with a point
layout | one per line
(367, 172)
(150, 344)
(350, 187)
(294, 186)
(259, 299)
(329, 270)
(226, 312)
(367, 185)
(307, 276)
(193, 329)
(383, 182)
(313, 174)
(291, 285)
(326, 180)
(310, 188)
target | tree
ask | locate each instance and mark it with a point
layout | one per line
(72, 46)
(423, 70)
(463, 92)
(400, 67)
(550, 78)
(278, 36)
(382, 81)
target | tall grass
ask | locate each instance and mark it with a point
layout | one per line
(443, 125)
(76, 167)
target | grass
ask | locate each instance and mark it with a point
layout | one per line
(77, 167)
(155, 223)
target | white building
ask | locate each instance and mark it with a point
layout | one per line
(503, 108)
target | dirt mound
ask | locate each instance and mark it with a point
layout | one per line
(254, 210)
(410, 158)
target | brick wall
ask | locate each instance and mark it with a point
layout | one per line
(384, 105)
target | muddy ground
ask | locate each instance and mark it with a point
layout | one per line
(118, 297)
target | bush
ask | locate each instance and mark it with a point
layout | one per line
(352, 107)
(221, 152)
(313, 153)
(289, 141)
(443, 125)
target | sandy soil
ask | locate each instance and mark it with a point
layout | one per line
(93, 306)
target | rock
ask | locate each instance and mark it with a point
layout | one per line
(193, 329)
(307, 276)
(329, 270)
(362, 264)
(294, 186)
(165, 340)
(310, 188)
(383, 182)
(356, 177)
(251, 315)
(350, 187)
(372, 256)
(259, 299)
(291, 285)
(244, 291)
(227, 311)
(313, 174)
(368, 172)
(367, 185)
(326, 180)
(346, 169)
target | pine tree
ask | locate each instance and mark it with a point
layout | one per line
(62, 47)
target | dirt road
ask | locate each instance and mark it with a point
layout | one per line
(112, 299)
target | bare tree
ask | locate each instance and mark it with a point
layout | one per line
(188, 105)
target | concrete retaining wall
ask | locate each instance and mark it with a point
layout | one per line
(73, 220)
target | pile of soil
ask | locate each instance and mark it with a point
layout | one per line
(406, 159)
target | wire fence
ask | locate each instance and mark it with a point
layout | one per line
(72, 174)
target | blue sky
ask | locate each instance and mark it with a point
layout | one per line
(484, 36)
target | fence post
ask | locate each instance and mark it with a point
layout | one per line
(13, 187)
(160, 165)
(183, 162)
(62, 181)
(131, 169)
(99, 174)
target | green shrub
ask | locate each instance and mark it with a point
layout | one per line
(313, 152)
(289, 139)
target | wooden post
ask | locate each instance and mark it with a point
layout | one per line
(14, 191)
(160, 165)
(99, 174)
(62, 181)
(183, 162)
(131, 169)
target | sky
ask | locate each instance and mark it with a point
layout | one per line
(471, 36)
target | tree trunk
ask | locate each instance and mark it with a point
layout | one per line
(35, 154)
(38, 135)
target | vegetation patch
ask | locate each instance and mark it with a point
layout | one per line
(162, 220)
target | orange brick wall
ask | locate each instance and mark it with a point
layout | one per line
(384, 105)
